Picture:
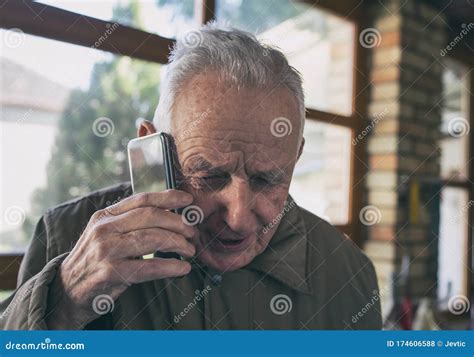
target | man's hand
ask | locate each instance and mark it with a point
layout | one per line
(104, 259)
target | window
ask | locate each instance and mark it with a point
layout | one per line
(321, 178)
(167, 18)
(317, 44)
(455, 124)
(453, 242)
(456, 203)
(67, 114)
(320, 46)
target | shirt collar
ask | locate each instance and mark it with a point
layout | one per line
(285, 257)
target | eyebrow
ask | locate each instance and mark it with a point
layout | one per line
(199, 164)
(271, 175)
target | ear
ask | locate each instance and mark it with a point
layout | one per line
(145, 128)
(300, 150)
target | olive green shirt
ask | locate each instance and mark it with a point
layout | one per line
(310, 277)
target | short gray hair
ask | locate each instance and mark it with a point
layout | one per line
(238, 58)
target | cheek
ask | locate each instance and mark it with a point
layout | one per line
(204, 200)
(267, 212)
(268, 206)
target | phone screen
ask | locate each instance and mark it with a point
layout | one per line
(147, 164)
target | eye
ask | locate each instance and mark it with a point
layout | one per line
(211, 182)
(260, 182)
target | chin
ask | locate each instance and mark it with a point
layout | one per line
(226, 263)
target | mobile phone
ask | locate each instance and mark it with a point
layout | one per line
(152, 170)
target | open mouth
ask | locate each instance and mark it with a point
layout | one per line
(229, 245)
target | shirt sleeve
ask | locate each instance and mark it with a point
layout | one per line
(26, 309)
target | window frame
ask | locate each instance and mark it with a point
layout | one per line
(57, 24)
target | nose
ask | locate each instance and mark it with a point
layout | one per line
(239, 201)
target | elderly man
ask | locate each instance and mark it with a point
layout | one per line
(258, 260)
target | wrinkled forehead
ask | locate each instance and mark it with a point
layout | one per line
(232, 154)
(218, 116)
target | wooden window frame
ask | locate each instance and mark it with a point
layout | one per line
(57, 24)
(352, 11)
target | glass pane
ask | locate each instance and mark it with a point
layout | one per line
(67, 114)
(453, 243)
(318, 44)
(455, 121)
(167, 18)
(322, 175)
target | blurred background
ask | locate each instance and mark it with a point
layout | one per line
(388, 87)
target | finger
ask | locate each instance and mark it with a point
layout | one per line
(139, 271)
(168, 199)
(146, 241)
(151, 217)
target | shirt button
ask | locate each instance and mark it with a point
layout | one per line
(216, 279)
